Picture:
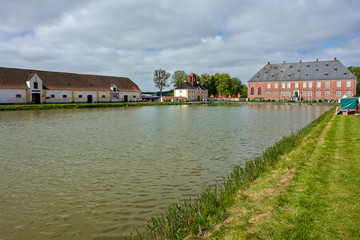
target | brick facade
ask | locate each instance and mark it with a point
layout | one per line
(274, 82)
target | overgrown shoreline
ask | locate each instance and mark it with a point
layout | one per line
(200, 217)
(133, 104)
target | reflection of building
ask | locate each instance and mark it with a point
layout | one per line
(18, 86)
(320, 80)
(191, 90)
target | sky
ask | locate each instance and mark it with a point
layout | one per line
(132, 38)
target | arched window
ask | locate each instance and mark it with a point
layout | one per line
(252, 91)
(259, 91)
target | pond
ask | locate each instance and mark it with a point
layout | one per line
(97, 173)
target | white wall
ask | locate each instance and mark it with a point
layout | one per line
(130, 96)
(58, 96)
(106, 94)
(8, 96)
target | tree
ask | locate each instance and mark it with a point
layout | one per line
(161, 79)
(356, 72)
(178, 78)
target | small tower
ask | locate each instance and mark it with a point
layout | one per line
(192, 79)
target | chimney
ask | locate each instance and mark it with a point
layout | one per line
(284, 62)
(334, 59)
(317, 61)
(268, 63)
(300, 61)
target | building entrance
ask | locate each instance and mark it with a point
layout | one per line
(89, 98)
(36, 98)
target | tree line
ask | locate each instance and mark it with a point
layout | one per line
(219, 84)
(356, 72)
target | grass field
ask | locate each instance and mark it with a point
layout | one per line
(312, 192)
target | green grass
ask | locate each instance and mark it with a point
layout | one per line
(312, 192)
(203, 216)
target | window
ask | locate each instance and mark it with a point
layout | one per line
(304, 93)
(64, 96)
(348, 83)
(268, 93)
(283, 93)
(268, 85)
(338, 93)
(310, 93)
(310, 84)
(288, 85)
(36, 85)
(259, 91)
(103, 96)
(318, 93)
(296, 85)
(327, 85)
(283, 85)
(276, 93)
(114, 89)
(318, 84)
(338, 84)
(304, 84)
(134, 96)
(18, 95)
(348, 93)
(252, 91)
(80, 96)
(180, 91)
(327, 93)
(52, 95)
(288, 93)
(276, 85)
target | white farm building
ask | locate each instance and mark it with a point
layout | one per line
(21, 86)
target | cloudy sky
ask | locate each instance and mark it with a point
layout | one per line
(132, 38)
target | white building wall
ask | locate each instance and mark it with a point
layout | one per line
(132, 96)
(104, 96)
(57, 96)
(8, 96)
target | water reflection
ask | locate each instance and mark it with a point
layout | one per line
(92, 173)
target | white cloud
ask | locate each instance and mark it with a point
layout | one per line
(132, 37)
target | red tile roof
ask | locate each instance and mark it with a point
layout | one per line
(15, 78)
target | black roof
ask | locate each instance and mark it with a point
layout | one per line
(187, 85)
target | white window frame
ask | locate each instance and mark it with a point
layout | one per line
(327, 93)
(276, 93)
(348, 93)
(318, 93)
(304, 84)
(304, 93)
(327, 84)
(348, 83)
(283, 85)
(283, 93)
(296, 85)
(288, 85)
(310, 84)
(288, 93)
(338, 93)
(338, 84)
(268, 93)
(318, 84)
(309, 93)
(276, 85)
(269, 85)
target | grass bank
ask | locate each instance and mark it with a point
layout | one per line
(223, 211)
(312, 192)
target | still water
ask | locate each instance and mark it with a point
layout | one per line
(97, 173)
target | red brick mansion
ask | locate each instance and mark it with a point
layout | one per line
(319, 80)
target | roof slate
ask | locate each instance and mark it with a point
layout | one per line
(14, 78)
(303, 71)
(188, 85)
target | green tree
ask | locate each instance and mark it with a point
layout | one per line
(178, 78)
(356, 72)
(224, 84)
(161, 79)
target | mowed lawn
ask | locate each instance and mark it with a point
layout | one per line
(313, 192)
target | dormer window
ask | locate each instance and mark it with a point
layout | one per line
(36, 85)
(114, 89)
